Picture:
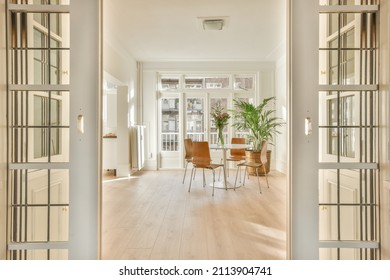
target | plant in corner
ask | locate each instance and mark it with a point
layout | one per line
(259, 121)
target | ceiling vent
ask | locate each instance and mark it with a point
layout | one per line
(213, 23)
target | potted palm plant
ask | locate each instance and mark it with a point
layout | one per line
(260, 123)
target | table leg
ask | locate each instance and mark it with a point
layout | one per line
(225, 166)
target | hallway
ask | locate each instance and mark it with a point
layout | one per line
(152, 216)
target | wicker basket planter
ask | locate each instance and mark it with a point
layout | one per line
(255, 157)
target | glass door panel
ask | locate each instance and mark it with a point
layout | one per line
(246, 97)
(170, 123)
(223, 102)
(195, 118)
(244, 82)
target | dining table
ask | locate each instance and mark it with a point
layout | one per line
(224, 148)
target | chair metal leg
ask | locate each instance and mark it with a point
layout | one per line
(192, 174)
(185, 171)
(258, 180)
(213, 180)
(227, 173)
(204, 179)
(219, 172)
(265, 175)
(224, 182)
(240, 173)
(243, 183)
(235, 182)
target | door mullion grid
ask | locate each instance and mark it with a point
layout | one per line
(18, 110)
(367, 128)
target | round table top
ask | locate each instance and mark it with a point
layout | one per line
(229, 146)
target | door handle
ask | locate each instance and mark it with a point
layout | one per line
(80, 123)
(308, 128)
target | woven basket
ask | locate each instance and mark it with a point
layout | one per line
(251, 156)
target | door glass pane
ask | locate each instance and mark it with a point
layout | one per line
(244, 83)
(243, 133)
(39, 195)
(223, 102)
(210, 82)
(58, 254)
(55, 24)
(347, 206)
(59, 137)
(347, 121)
(193, 82)
(195, 119)
(59, 221)
(169, 83)
(59, 149)
(59, 186)
(170, 124)
(40, 140)
(37, 223)
(37, 187)
(217, 82)
(348, 254)
(347, 2)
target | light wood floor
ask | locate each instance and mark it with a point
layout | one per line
(153, 216)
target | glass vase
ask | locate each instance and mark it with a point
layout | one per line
(221, 140)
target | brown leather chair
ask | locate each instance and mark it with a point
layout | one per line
(188, 155)
(257, 165)
(201, 159)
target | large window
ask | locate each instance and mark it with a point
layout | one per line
(199, 94)
(208, 82)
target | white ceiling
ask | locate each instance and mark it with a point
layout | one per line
(169, 30)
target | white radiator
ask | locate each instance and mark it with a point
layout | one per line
(137, 146)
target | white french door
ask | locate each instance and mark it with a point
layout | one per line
(187, 115)
(335, 166)
(224, 100)
(38, 129)
(348, 130)
(196, 116)
(170, 130)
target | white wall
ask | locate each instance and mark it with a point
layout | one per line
(149, 118)
(120, 68)
(123, 139)
(265, 70)
(385, 123)
(3, 133)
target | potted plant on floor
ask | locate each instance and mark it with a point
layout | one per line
(261, 124)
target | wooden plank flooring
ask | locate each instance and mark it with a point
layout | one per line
(151, 215)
